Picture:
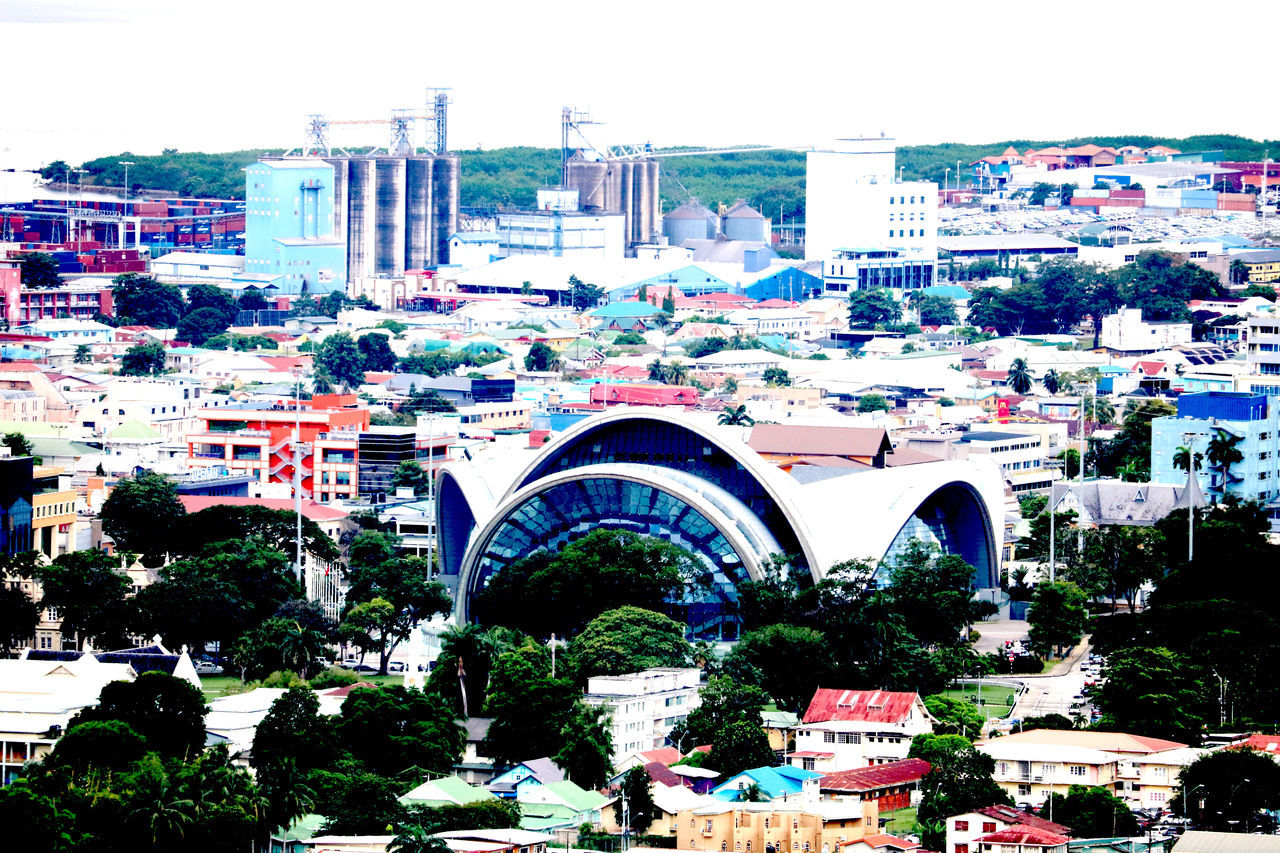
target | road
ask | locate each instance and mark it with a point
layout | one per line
(1045, 694)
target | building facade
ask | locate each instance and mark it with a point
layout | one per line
(289, 217)
(1249, 422)
(849, 729)
(644, 706)
(764, 827)
(1125, 331)
(74, 300)
(902, 270)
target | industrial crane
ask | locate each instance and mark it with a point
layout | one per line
(401, 122)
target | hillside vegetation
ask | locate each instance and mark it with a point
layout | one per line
(773, 181)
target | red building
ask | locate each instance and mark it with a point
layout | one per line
(19, 305)
(891, 785)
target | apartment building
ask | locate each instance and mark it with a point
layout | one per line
(1021, 456)
(1251, 420)
(848, 729)
(166, 404)
(74, 300)
(1143, 771)
(964, 830)
(775, 826)
(644, 706)
(257, 438)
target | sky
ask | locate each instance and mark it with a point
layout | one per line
(98, 77)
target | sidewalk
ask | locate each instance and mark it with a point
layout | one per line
(1065, 665)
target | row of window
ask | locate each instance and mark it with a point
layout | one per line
(903, 199)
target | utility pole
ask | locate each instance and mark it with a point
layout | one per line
(1053, 554)
(297, 476)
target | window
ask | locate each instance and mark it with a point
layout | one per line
(988, 826)
(1024, 790)
(707, 827)
(962, 826)
(828, 737)
(962, 848)
(1077, 769)
(766, 822)
(850, 737)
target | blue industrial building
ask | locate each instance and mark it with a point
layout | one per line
(1201, 418)
(790, 283)
(289, 223)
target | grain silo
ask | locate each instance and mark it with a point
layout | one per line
(626, 186)
(744, 222)
(691, 221)
(398, 211)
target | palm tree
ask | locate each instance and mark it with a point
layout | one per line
(736, 416)
(321, 383)
(288, 797)
(469, 646)
(300, 646)
(730, 385)
(161, 815)
(1051, 382)
(677, 373)
(1019, 376)
(1183, 458)
(415, 839)
(1223, 454)
(1132, 472)
(657, 373)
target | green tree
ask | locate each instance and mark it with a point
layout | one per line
(339, 357)
(251, 300)
(529, 708)
(147, 302)
(541, 358)
(18, 444)
(410, 475)
(1266, 291)
(545, 593)
(1019, 376)
(141, 512)
(723, 702)
(628, 639)
(739, 746)
(776, 377)
(1222, 453)
(641, 810)
(166, 711)
(936, 310)
(587, 746)
(1157, 691)
(375, 353)
(873, 403)
(202, 296)
(933, 592)
(461, 674)
(414, 839)
(89, 592)
(583, 295)
(735, 416)
(198, 326)
(292, 731)
(39, 270)
(19, 617)
(767, 658)
(1229, 790)
(1092, 813)
(959, 780)
(393, 728)
(110, 745)
(143, 360)
(1056, 618)
(83, 355)
(1051, 381)
(868, 308)
(381, 577)
(35, 821)
(955, 716)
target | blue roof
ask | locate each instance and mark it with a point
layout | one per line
(950, 291)
(773, 782)
(625, 310)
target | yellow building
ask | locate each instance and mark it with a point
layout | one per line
(778, 826)
(53, 513)
(513, 415)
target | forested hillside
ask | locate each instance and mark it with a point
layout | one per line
(773, 181)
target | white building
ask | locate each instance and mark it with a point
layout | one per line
(165, 404)
(866, 268)
(1126, 331)
(644, 706)
(73, 332)
(853, 199)
(196, 268)
(558, 228)
(848, 729)
(791, 323)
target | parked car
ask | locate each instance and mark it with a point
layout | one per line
(205, 667)
(364, 667)
(350, 663)
(396, 666)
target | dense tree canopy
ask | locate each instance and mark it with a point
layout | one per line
(629, 639)
(142, 513)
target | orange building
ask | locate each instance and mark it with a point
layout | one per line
(776, 827)
(257, 439)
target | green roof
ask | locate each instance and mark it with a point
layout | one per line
(538, 817)
(134, 430)
(578, 798)
(447, 791)
(305, 827)
(779, 719)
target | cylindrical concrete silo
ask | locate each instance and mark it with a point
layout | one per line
(419, 212)
(626, 177)
(390, 222)
(447, 176)
(362, 206)
(590, 179)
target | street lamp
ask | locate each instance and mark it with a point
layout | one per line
(1185, 794)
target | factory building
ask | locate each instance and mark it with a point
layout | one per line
(289, 218)
(625, 186)
(853, 198)
(559, 229)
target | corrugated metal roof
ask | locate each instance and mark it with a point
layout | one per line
(877, 776)
(819, 441)
(1197, 841)
(1009, 814)
(872, 706)
(1024, 835)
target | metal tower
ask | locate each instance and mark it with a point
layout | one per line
(437, 116)
(401, 144)
(572, 120)
(317, 144)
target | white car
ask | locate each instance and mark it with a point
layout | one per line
(205, 667)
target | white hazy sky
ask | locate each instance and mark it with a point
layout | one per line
(87, 78)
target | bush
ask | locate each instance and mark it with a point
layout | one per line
(334, 676)
(283, 678)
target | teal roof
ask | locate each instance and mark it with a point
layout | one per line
(478, 348)
(625, 310)
(773, 782)
(949, 291)
(447, 791)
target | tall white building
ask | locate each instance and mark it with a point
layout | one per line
(854, 200)
(644, 706)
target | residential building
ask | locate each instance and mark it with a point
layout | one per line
(1263, 265)
(773, 783)
(848, 729)
(1199, 841)
(668, 803)
(852, 198)
(1141, 770)
(790, 323)
(1263, 353)
(892, 786)
(1251, 420)
(258, 438)
(1021, 839)
(777, 826)
(446, 791)
(22, 407)
(53, 512)
(559, 805)
(1126, 332)
(494, 841)
(290, 228)
(536, 771)
(880, 843)
(70, 332)
(76, 300)
(644, 706)
(1020, 455)
(493, 416)
(166, 404)
(963, 830)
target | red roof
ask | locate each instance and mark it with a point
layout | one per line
(285, 362)
(1024, 834)
(777, 303)
(819, 440)
(311, 509)
(1009, 814)
(666, 755)
(876, 776)
(645, 395)
(723, 299)
(871, 706)
(1269, 744)
(1150, 368)
(808, 753)
(662, 774)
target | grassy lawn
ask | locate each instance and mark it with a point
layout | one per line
(224, 685)
(901, 821)
(996, 698)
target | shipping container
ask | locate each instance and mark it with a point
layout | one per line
(1138, 194)
(1164, 197)
(1090, 193)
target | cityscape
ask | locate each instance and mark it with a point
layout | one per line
(381, 491)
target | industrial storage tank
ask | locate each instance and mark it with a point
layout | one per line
(362, 207)
(588, 177)
(629, 187)
(690, 221)
(744, 222)
(447, 193)
(420, 212)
